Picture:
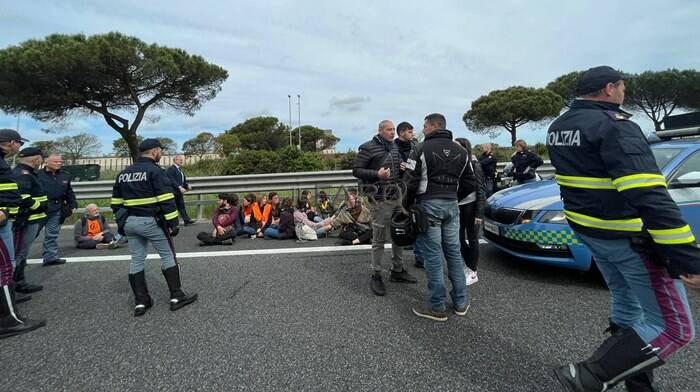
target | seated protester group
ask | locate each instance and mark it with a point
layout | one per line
(284, 229)
(353, 221)
(92, 231)
(225, 222)
(250, 216)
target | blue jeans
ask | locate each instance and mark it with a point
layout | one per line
(141, 230)
(272, 232)
(418, 252)
(644, 296)
(442, 238)
(247, 230)
(51, 227)
(27, 236)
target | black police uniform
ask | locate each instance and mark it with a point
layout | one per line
(144, 190)
(32, 214)
(612, 189)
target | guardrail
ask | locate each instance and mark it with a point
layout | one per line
(296, 182)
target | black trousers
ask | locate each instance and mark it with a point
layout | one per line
(349, 234)
(208, 239)
(180, 203)
(469, 231)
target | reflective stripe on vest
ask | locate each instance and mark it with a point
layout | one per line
(147, 200)
(11, 210)
(634, 224)
(9, 186)
(584, 182)
(37, 216)
(41, 198)
(681, 235)
(641, 180)
(172, 215)
(117, 200)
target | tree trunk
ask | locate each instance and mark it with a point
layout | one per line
(513, 133)
(657, 125)
(133, 143)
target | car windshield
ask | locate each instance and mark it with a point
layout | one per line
(664, 155)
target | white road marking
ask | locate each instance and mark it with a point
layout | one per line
(226, 253)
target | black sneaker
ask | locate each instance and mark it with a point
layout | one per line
(427, 312)
(190, 222)
(402, 277)
(461, 312)
(54, 262)
(377, 285)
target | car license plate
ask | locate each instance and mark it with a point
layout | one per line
(491, 227)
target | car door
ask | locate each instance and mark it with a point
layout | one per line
(684, 188)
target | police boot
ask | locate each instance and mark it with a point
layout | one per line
(142, 299)
(642, 382)
(21, 285)
(11, 323)
(178, 298)
(621, 356)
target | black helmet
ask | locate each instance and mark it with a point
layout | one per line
(403, 232)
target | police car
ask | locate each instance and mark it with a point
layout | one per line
(528, 220)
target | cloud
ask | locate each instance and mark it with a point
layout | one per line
(350, 103)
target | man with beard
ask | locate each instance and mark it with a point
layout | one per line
(224, 221)
(144, 206)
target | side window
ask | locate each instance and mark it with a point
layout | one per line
(688, 173)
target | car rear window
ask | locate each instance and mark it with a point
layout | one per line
(664, 155)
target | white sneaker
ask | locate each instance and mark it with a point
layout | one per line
(470, 276)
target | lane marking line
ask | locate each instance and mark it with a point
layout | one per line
(226, 253)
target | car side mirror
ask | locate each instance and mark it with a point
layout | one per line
(687, 180)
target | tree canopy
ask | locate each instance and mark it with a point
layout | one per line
(565, 86)
(511, 108)
(121, 149)
(202, 144)
(110, 75)
(314, 139)
(79, 146)
(261, 133)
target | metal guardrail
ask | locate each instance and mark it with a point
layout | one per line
(254, 183)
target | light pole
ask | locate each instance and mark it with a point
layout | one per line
(299, 129)
(289, 96)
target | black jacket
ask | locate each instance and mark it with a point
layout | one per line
(372, 156)
(405, 148)
(143, 189)
(9, 191)
(177, 178)
(473, 182)
(440, 167)
(524, 164)
(488, 164)
(58, 189)
(33, 206)
(611, 185)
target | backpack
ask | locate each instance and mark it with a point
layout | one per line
(407, 224)
(305, 233)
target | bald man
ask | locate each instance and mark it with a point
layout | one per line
(91, 231)
(180, 187)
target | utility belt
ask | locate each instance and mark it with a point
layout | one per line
(644, 245)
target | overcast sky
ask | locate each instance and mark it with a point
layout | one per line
(356, 63)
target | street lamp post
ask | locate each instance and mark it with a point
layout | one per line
(299, 129)
(289, 96)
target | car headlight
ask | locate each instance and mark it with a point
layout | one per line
(556, 217)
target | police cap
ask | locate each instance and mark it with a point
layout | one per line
(596, 78)
(8, 135)
(149, 144)
(30, 152)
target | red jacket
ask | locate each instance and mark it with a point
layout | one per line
(225, 219)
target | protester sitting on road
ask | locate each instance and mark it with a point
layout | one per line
(285, 228)
(248, 218)
(263, 212)
(321, 228)
(224, 221)
(272, 212)
(353, 221)
(525, 162)
(91, 231)
(325, 207)
(308, 209)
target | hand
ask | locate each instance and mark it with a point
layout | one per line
(219, 230)
(98, 237)
(3, 217)
(384, 173)
(692, 281)
(174, 231)
(403, 166)
(182, 189)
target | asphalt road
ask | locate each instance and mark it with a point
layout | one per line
(308, 322)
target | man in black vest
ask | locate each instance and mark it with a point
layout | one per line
(180, 187)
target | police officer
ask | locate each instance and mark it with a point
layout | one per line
(11, 322)
(32, 213)
(61, 203)
(144, 205)
(616, 201)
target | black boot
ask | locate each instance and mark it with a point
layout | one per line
(21, 285)
(621, 356)
(178, 298)
(377, 285)
(643, 382)
(11, 323)
(20, 298)
(142, 299)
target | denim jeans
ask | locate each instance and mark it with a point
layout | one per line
(249, 230)
(442, 238)
(141, 230)
(24, 241)
(51, 227)
(644, 296)
(272, 232)
(7, 253)
(418, 252)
